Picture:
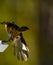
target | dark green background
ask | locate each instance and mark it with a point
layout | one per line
(23, 13)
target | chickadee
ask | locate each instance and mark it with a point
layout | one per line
(15, 35)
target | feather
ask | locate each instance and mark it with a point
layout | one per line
(20, 49)
(23, 28)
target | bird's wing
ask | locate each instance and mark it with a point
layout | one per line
(20, 50)
(23, 28)
(22, 39)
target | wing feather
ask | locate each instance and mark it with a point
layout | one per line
(20, 50)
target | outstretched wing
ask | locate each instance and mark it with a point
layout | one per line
(20, 49)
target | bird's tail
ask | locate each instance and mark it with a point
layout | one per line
(20, 50)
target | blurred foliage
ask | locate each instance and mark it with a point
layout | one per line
(23, 13)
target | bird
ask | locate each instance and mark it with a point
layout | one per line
(14, 32)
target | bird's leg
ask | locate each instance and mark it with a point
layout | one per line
(4, 41)
(7, 40)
